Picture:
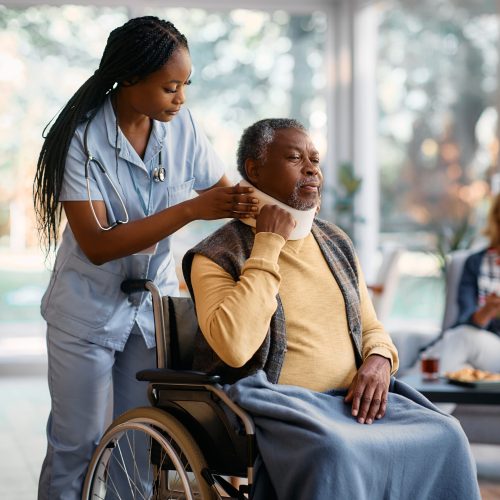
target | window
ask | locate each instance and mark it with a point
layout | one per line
(437, 93)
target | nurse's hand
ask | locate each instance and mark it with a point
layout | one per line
(225, 202)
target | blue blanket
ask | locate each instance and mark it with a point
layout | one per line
(312, 448)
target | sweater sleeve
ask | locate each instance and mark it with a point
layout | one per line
(375, 339)
(234, 317)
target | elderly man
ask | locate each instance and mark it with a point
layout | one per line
(285, 314)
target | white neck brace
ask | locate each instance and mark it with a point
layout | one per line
(304, 218)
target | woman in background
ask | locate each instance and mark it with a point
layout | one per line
(475, 339)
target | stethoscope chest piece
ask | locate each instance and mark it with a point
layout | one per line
(159, 174)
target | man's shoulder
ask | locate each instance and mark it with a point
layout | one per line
(233, 238)
(235, 230)
(330, 229)
(229, 247)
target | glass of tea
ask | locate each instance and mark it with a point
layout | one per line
(429, 366)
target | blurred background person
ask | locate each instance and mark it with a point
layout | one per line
(475, 339)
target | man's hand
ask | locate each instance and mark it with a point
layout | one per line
(368, 390)
(273, 219)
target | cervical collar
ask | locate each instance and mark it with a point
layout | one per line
(304, 218)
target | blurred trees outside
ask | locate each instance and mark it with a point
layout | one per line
(437, 90)
(46, 53)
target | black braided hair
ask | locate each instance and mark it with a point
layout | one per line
(133, 51)
(257, 137)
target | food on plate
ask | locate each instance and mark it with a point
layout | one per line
(473, 375)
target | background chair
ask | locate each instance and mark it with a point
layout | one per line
(384, 288)
(408, 338)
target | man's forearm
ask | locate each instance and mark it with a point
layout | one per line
(375, 339)
(234, 316)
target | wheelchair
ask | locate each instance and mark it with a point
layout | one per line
(191, 439)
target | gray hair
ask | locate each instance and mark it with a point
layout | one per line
(256, 138)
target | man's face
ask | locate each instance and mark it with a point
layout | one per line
(290, 172)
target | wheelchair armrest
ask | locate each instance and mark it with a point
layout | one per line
(169, 376)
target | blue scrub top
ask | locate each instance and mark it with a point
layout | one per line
(85, 300)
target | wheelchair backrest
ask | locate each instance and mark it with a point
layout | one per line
(180, 327)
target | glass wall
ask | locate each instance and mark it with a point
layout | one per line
(437, 99)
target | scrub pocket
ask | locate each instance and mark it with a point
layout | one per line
(82, 294)
(180, 193)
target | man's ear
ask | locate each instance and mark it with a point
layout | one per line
(252, 170)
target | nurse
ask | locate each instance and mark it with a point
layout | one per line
(122, 160)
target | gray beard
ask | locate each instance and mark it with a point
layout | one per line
(296, 202)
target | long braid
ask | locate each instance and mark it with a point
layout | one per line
(133, 51)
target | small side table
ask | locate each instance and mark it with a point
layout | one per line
(440, 391)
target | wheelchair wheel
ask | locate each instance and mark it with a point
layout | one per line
(147, 454)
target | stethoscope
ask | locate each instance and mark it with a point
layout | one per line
(158, 176)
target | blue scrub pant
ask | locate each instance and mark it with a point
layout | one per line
(82, 377)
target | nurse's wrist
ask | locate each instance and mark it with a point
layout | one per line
(190, 210)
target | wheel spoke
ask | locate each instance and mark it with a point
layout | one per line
(149, 461)
(153, 439)
(157, 479)
(129, 479)
(136, 467)
(115, 489)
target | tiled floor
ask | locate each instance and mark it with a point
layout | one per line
(24, 405)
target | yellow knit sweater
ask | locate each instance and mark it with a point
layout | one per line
(234, 316)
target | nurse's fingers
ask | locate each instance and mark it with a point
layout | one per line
(248, 199)
(243, 211)
(250, 208)
(243, 204)
(237, 189)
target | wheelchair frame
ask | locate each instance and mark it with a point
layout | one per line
(185, 403)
